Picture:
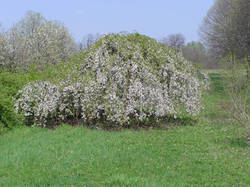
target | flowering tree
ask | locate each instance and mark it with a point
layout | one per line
(2, 46)
(121, 78)
(36, 40)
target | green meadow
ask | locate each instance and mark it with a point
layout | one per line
(212, 152)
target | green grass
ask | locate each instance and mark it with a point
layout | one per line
(207, 154)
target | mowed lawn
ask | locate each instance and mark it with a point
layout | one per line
(210, 153)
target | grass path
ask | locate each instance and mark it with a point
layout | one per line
(208, 154)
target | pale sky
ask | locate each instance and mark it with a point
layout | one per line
(154, 18)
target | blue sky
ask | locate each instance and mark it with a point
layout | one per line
(154, 18)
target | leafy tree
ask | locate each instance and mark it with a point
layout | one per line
(225, 28)
(195, 52)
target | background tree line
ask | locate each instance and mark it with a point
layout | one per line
(35, 40)
(225, 30)
(193, 51)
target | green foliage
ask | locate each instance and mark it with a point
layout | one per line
(64, 70)
(196, 53)
(236, 84)
(8, 118)
(10, 83)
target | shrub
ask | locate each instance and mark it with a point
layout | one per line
(8, 118)
(38, 102)
(10, 83)
(122, 78)
(236, 85)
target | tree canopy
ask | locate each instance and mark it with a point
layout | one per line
(225, 28)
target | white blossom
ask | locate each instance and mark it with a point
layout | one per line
(119, 80)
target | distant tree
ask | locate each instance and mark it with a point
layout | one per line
(80, 46)
(196, 53)
(35, 40)
(176, 41)
(225, 31)
(225, 28)
(3, 47)
(88, 40)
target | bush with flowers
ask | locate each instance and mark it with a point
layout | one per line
(120, 79)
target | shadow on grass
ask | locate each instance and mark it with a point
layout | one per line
(238, 142)
(217, 83)
(163, 123)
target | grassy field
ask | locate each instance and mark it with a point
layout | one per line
(211, 153)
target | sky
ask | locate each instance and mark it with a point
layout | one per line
(154, 18)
